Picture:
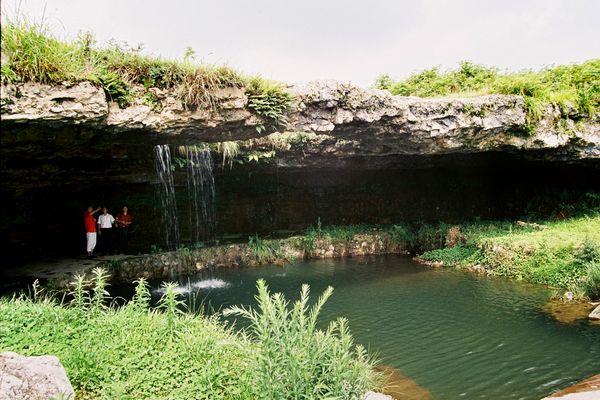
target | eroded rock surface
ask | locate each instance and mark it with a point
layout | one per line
(33, 378)
(374, 157)
(372, 122)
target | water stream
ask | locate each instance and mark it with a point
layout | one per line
(166, 191)
(201, 193)
(459, 335)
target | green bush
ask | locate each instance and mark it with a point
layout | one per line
(132, 352)
(561, 254)
(296, 360)
(589, 285)
(450, 256)
(575, 88)
(129, 352)
(430, 237)
(402, 234)
(264, 251)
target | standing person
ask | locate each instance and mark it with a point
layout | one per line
(105, 223)
(123, 223)
(90, 229)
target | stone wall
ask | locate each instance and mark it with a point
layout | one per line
(168, 265)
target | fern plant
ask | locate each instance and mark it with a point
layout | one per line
(269, 101)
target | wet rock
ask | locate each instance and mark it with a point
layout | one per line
(33, 378)
(479, 269)
(595, 314)
(588, 389)
(569, 312)
(401, 387)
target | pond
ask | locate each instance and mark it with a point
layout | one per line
(457, 334)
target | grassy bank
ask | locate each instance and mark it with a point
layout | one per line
(558, 247)
(563, 254)
(133, 352)
(574, 89)
(556, 250)
(31, 54)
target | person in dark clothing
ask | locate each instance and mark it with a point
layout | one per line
(123, 222)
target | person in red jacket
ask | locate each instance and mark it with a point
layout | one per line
(90, 229)
(123, 222)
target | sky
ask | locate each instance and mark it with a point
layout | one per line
(346, 40)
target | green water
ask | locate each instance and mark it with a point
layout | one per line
(460, 335)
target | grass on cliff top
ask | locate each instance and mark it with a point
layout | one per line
(31, 54)
(574, 88)
(564, 254)
(133, 352)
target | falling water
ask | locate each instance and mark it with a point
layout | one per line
(201, 191)
(170, 225)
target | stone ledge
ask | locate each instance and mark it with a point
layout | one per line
(381, 124)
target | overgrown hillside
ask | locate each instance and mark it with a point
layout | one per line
(31, 54)
(574, 89)
(133, 352)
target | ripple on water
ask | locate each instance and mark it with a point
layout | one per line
(213, 283)
(457, 335)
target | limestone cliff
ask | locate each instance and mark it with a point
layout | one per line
(360, 122)
(345, 155)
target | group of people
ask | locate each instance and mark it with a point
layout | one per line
(111, 234)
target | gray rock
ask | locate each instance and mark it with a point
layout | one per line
(377, 396)
(595, 314)
(33, 378)
(569, 296)
(356, 121)
(81, 103)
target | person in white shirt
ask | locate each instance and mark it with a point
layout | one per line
(105, 223)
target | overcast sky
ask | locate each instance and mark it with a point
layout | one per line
(303, 40)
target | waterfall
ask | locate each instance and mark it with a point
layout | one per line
(170, 225)
(201, 193)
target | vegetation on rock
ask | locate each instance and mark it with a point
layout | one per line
(134, 352)
(31, 54)
(574, 89)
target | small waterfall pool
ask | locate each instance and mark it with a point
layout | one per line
(459, 335)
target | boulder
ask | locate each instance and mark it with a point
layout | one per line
(33, 378)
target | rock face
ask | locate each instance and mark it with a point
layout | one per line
(79, 104)
(33, 378)
(377, 123)
(346, 155)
